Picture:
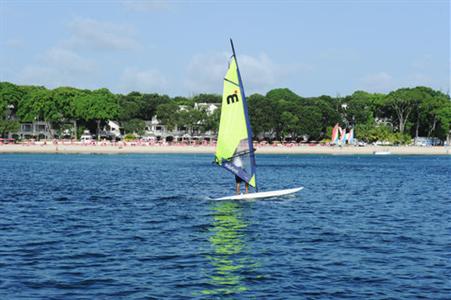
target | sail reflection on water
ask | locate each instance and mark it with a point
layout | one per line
(230, 255)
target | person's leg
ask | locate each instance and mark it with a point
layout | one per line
(237, 188)
(247, 187)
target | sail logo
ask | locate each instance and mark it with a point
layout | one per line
(232, 98)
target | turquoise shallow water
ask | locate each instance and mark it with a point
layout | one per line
(144, 227)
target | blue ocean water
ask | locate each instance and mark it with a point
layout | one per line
(144, 227)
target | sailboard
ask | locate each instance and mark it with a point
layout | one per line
(234, 149)
(260, 195)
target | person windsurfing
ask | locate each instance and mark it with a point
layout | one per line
(237, 162)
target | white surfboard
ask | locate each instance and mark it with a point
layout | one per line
(260, 195)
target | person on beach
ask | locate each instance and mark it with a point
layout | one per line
(237, 162)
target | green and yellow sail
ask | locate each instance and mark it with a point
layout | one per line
(234, 149)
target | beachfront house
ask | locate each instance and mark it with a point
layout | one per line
(427, 141)
(156, 129)
(209, 107)
(36, 129)
(111, 130)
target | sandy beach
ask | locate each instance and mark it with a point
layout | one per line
(145, 148)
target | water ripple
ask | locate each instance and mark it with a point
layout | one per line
(143, 227)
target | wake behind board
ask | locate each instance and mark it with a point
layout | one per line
(261, 195)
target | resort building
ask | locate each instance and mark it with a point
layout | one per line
(160, 132)
(427, 141)
(155, 129)
(111, 130)
(37, 129)
(210, 108)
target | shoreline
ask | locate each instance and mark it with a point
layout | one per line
(130, 149)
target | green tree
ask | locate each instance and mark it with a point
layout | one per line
(207, 98)
(401, 103)
(140, 106)
(212, 121)
(362, 107)
(10, 96)
(362, 131)
(379, 133)
(39, 104)
(183, 101)
(98, 105)
(7, 126)
(65, 100)
(443, 115)
(280, 113)
(134, 126)
(282, 94)
(283, 100)
(148, 106)
(130, 106)
(310, 122)
(194, 119)
(262, 114)
(167, 114)
(429, 106)
(290, 126)
(328, 107)
(282, 120)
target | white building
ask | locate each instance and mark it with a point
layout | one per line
(114, 128)
(209, 107)
(36, 129)
(154, 128)
(427, 141)
(111, 130)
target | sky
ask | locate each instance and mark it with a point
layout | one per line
(181, 48)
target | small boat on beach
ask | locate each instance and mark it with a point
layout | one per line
(382, 153)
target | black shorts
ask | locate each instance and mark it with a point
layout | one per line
(238, 179)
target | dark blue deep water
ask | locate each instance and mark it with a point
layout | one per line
(143, 227)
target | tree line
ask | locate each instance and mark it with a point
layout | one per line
(279, 115)
(396, 117)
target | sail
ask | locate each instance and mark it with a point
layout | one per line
(335, 134)
(343, 135)
(234, 149)
(351, 136)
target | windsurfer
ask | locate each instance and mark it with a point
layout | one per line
(237, 162)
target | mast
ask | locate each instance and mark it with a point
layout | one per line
(248, 124)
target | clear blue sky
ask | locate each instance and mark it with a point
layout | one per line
(182, 47)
